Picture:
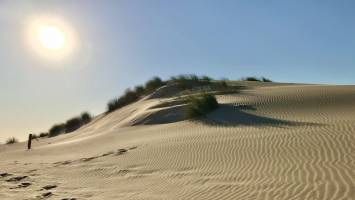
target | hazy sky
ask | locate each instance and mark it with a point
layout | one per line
(122, 43)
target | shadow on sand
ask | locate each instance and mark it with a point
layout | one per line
(230, 115)
(225, 115)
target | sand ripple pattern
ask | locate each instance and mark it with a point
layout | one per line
(297, 144)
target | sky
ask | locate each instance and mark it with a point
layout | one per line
(122, 43)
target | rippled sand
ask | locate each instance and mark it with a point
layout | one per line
(268, 142)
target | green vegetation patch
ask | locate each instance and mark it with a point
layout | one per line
(201, 105)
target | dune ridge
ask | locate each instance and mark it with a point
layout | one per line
(271, 141)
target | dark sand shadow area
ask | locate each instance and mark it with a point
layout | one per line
(225, 115)
(231, 115)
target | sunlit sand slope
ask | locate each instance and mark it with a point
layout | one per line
(270, 141)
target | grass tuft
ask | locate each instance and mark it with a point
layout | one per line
(201, 105)
(11, 140)
(189, 81)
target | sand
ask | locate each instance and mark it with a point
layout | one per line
(271, 141)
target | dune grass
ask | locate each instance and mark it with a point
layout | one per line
(201, 105)
(185, 82)
(131, 96)
(263, 79)
(253, 78)
(128, 97)
(153, 84)
(56, 130)
(35, 136)
(41, 135)
(73, 124)
(189, 81)
(85, 118)
(69, 126)
(11, 140)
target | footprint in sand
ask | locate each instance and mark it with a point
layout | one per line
(22, 185)
(25, 184)
(117, 153)
(67, 162)
(4, 174)
(107, 154)
(49, 187)
(16, 179)
(120, 152)
(32, 170)
(88, 159)
(132, 148)
(47, 194)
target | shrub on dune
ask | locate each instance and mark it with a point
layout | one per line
(56, 130)
(194, 77)
(112, 105)
(11, 140)
(128, 97)
(131, 96)
(153, 84)
(41, 135)
(35, 136)
(73, 124)
(85, 118)
(190, 81)
(206, 79)
(253, 78)
(69, 126)
(263, 79)
(184, 81)
(201, 105)
(139, 90)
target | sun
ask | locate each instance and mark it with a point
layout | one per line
(51, 37)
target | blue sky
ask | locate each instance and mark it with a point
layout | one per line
(125, 42)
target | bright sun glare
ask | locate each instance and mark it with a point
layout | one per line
(50, 37)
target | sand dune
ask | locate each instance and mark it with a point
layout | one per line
(271, 141)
